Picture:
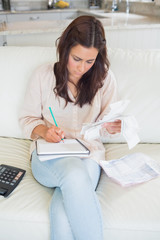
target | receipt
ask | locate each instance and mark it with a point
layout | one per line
(129, 131)
(129, 127)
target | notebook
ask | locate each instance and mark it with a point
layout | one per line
(68, 147)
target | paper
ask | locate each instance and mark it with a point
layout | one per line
(67, 147)
(129, 128)
(51, 156)
(129, 131)
(131, 169)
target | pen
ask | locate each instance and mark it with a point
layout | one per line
(54, 119)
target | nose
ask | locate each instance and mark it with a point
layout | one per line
(81, 67)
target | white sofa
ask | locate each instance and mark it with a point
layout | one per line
(129, 213)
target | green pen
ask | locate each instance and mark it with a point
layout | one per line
(54, 119)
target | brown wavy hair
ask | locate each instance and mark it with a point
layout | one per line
(88, 32)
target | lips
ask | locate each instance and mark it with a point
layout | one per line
(79, 74)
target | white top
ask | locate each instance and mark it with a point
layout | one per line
(40, 96)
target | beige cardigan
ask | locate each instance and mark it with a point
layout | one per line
(40, 96)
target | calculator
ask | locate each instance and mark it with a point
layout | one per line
(10, 177)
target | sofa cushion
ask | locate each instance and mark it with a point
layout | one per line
(132, 212)
(24, 213)
(128, 213)
(137, 73)
(16, 66)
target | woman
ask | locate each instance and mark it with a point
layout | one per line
(79, 88)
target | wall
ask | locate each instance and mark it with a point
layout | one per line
(149, 8)
(138, 38)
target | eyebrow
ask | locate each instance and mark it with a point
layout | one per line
(81, 58)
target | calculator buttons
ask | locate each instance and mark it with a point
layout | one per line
(3, 191)
(9, 178)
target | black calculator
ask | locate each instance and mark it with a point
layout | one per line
(10, 177)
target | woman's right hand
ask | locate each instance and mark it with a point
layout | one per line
(52, 134)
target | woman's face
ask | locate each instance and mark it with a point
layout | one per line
(80, 60)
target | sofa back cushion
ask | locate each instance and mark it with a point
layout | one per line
(16, 66)
(137, 73)
(138, 76)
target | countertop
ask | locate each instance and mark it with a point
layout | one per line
(39, 11)
(115, 20)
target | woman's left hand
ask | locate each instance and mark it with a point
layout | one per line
(113, 127)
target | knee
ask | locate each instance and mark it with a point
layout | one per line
(75, 172)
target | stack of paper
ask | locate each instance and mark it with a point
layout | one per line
(65, 148)
(131, 169)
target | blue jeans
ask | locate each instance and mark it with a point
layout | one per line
(75, 212)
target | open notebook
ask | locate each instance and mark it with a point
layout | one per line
(68, 147)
